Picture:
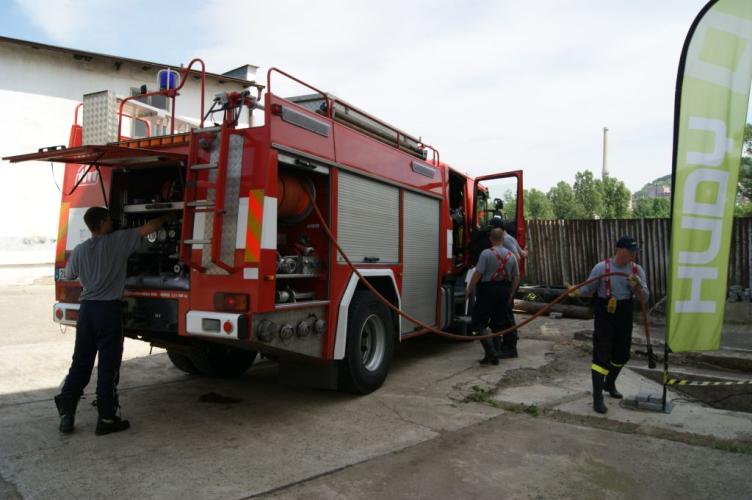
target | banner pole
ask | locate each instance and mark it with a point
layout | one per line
(665, 375)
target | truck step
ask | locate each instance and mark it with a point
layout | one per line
(203, 166)
(201, 203)
(197, 242)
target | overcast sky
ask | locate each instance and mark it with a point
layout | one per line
(495, 86)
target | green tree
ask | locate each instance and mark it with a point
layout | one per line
(537, 205)
(743, 209)
(510, 205)
(615, 198)
(743, 206)
(745, 178)
(588, 195)
(649, 208)
(562, 201)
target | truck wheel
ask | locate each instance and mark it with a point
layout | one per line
(182, 362)
(370, 345)
(221, 361)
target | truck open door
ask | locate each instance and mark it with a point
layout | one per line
(498, 194)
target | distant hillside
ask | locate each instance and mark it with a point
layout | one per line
(659, 182)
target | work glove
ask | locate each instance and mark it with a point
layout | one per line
(573, 292)
(634, 281)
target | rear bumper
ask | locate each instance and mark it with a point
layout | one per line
(61, 315)
(217, 325)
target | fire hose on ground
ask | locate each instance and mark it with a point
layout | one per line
(454, 336)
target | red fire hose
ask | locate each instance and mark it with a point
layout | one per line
(643, 303)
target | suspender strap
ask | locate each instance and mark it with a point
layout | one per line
(607, 284)
(501, 270)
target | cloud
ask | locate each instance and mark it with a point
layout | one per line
(495, 86)
(63, 21)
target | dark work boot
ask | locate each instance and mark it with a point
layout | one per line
(66, 407)
(598, 404)
(610, 384)
(490, 357)
(497, 345)
(509, 346)
(108, 422)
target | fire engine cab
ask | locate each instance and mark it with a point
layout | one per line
(247, 267)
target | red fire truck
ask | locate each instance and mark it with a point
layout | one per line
(247, 267)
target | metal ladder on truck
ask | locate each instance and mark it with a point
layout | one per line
(216, 141)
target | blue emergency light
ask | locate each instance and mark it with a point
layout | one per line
(167, 79)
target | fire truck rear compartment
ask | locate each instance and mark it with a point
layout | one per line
(139, 195)
(302, 248)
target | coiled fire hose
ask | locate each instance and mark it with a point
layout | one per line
(454, 336)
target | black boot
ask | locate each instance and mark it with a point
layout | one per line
(497, 345)
(66, 407)
(598, 404)
(108, 422)
(610, 384)
(509, 346)
(490, 357)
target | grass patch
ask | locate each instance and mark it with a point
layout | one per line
(481, 395)
(486, 396)
(733, 447)
(532, 410)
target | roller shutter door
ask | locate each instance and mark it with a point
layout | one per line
(421, 259)
(368, 219)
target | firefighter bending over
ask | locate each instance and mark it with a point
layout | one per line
(612, 336)
(100, 265)
(496, 277)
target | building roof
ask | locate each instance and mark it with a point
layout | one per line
(90, 56)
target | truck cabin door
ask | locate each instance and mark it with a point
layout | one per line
(497, 195)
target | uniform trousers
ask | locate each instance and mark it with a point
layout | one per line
(491, 310)
(612, 338)
(98, 330)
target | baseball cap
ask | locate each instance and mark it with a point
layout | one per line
(628, 243)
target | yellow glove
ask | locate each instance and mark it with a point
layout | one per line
(573, 292)
(634, 281)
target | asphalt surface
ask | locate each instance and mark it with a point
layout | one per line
(441, 427)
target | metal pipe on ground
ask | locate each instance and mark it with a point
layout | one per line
(578, 312)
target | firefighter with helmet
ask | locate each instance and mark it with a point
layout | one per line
(612, 336)
(495, 277)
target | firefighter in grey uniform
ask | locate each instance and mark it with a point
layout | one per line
(100, 265)
(612, 336)
(496, 277)
(508, 348)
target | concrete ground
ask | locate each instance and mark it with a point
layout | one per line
(441, 427)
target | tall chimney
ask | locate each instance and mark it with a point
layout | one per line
(605, 153)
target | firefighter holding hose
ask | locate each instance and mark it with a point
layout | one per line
(612, 336)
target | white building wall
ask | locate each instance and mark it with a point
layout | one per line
(39, 91)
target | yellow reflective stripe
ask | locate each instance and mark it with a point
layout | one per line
(599, 369)
(615, 365)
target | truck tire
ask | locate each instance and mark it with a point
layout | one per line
(370, 345)
(215, 360)
(182, 362)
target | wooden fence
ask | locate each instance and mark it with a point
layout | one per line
(566, 250)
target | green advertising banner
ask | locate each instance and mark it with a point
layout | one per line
(712, 95)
